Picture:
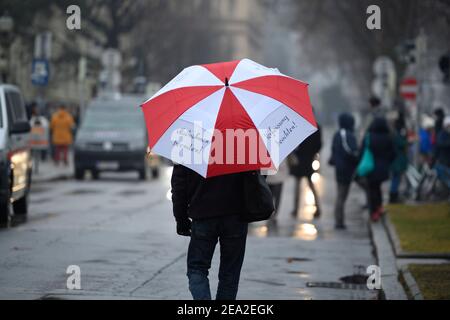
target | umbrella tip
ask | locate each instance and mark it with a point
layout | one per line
(226, 82)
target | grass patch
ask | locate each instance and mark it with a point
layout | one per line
(433, 280)
(422, 228)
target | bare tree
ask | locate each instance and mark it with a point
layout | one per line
(334, 33)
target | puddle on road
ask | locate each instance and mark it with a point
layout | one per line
(42, 200)
(336, 285)
(19, 220)
(355, 279)
(300, 273)
(291, 259)
(305, 231)
(78, 192)
(127, 193)
(101, 261)
(272, 283)
(39, 188)
(294, 259)
(300, 231)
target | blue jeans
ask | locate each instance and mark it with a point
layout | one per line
(232, 235)
(395, 182)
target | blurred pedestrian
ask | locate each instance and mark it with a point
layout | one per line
(30, 108)
(301, 167)
(381, 145)
(400, 163)
(375, 111)
(344, 158)
(62, 124)
(443, 153)
(439, 116)
(214, 205)
(39, 137)
(275, 183)
(426, 139)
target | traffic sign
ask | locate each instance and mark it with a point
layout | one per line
(383, 65)
(383, 85)
(409, 88)
(40, 72)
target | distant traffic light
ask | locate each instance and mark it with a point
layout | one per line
(444, 65)
(407, 51)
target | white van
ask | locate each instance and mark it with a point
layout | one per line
(15, 157)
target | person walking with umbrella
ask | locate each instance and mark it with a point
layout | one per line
(221, 124)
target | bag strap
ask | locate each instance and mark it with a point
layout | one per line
(344, 141)
(368, 140)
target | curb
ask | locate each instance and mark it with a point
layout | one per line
(62, 176)
(387, 262)
(412, 284)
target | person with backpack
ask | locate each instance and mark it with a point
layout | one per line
(344, 158)
(378, 153)
(209, 211)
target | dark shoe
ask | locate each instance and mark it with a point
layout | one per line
(393, 197)
(294, 213)
(340, 227)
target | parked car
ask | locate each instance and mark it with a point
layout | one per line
(112, 137)
(15, 154)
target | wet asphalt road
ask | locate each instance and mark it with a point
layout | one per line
(121, 234)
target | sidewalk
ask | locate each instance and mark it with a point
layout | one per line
(294, 259)
(49, 171)
(297, 259)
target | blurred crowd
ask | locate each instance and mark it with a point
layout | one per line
(52, 133)
(383, 148)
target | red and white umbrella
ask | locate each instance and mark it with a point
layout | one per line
(229, 117)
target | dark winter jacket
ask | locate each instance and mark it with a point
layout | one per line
(344, 150)
(305, 154)
(400, 163)
(198, 198)
(382, 147)
(443, 148)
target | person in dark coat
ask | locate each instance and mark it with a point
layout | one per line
(344, 158)
(400, 163)
(439, 115)
(214, 205)
(442, 165)
(382, 147)
(301, 167)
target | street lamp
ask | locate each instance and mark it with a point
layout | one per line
(6, 28)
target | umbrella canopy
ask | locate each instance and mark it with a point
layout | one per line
(229, 117)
